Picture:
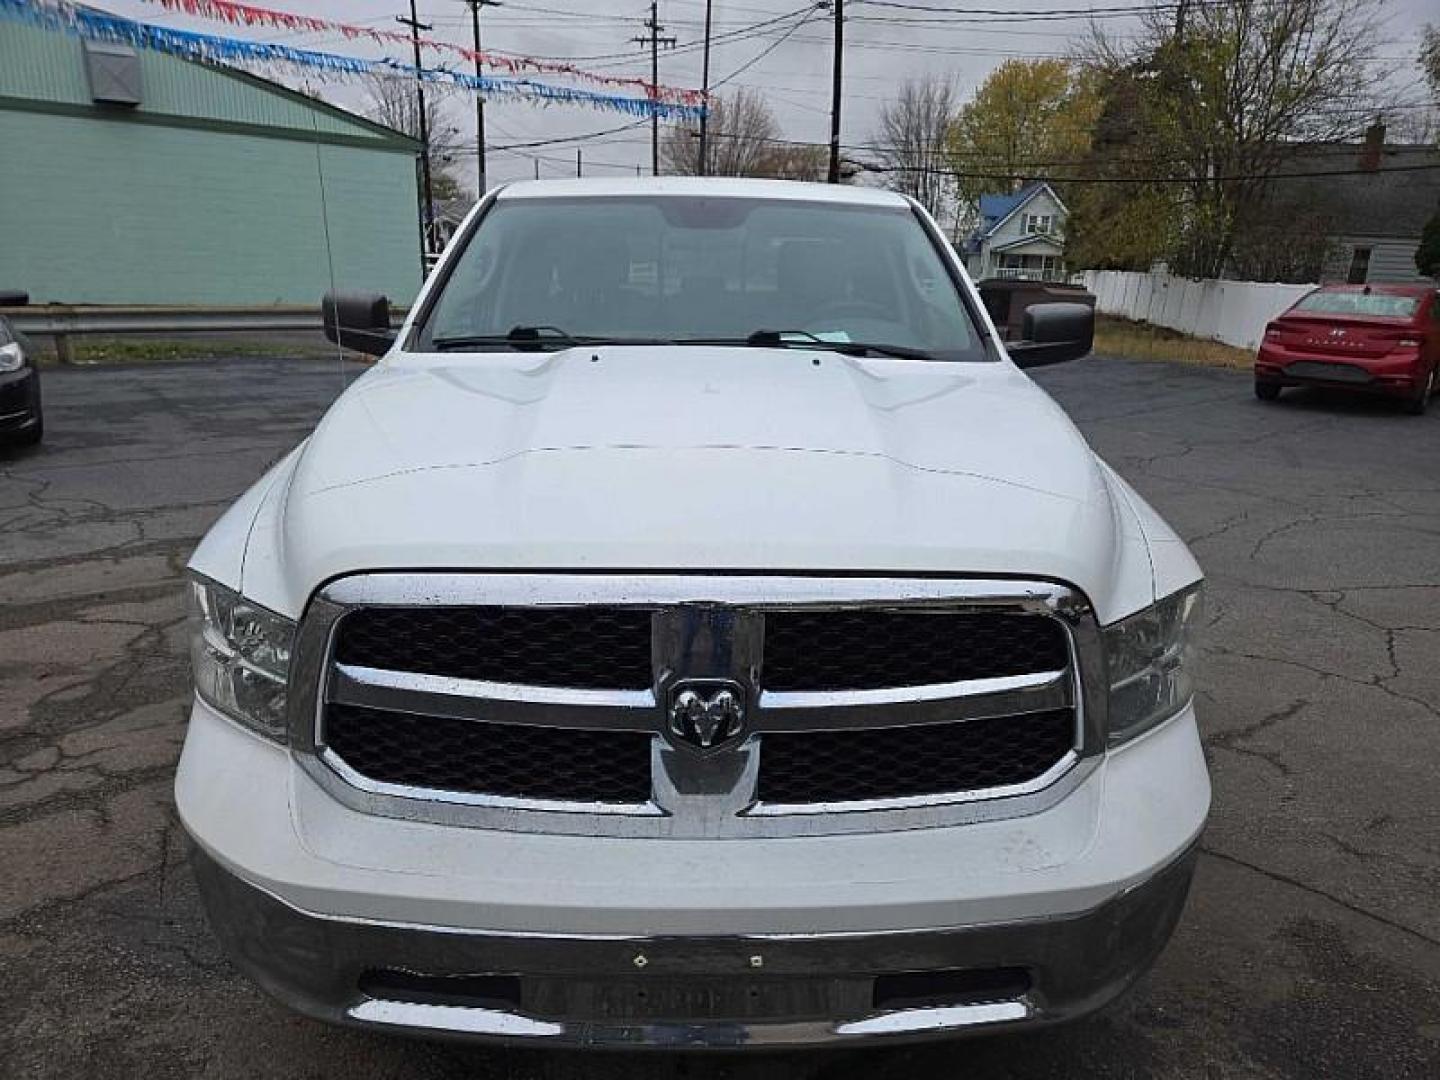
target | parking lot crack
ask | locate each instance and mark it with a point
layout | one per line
(1231, 740)
(1293, 882)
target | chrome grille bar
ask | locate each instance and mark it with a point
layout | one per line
(499, 703)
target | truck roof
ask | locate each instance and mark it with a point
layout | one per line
(719, 187)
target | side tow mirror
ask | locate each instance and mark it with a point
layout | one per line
(1053, 334)
(359, 321)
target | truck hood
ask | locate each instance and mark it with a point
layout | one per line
(696, 458)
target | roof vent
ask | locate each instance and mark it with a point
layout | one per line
(114, 72)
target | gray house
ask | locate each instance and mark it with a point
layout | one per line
(1358, 220)
(1020, 235)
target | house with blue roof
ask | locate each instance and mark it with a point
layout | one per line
(1020, 235)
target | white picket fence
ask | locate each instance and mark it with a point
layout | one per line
(1234, 312)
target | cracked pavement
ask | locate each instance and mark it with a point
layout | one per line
(1311, 944)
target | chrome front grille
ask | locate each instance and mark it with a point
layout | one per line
(519, 701)
(992, 753)
(583, 647)
(408, 751)
(861, 649)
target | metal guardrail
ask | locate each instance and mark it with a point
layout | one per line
(61, 321)
(51, 319)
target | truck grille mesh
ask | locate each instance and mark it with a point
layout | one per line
(552, 746)
(590, 648)
(507, 760)
(872, 650)
(890, 763)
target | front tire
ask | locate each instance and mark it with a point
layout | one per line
(1417, 404)
(1266, 391)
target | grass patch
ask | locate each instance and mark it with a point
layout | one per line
(153, 351)
(1142, 341)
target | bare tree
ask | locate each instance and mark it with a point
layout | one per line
(798, 161)
(1430, 59)
(743, 137)
(392, 102)
(913, 142)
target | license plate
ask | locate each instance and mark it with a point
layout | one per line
(700, 999)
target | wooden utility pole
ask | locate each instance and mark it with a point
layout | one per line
(475, 6)
(704, 169)
(427, 212)
(833, 176)
(654, 40)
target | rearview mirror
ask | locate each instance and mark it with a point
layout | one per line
(359, 321)
(1053, 334)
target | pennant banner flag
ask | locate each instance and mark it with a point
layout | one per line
(236, 14)
(97, 25)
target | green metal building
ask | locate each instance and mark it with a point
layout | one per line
(134, 177)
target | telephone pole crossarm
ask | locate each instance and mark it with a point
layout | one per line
(654, 40)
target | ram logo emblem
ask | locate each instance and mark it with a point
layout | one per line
(707, 714)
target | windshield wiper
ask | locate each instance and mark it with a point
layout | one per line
(536, 337)
(519, 336)
(808, 339)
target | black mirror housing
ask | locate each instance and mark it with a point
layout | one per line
(1053, 334)
(359, 321)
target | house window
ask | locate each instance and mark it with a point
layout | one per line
(1359, 266)
(1039, 223)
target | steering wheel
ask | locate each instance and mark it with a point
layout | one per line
(862, 309)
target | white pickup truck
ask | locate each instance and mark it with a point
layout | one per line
(696, 631)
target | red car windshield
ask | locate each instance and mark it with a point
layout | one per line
(1383, 305)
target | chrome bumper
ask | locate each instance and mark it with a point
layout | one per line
(704, 993)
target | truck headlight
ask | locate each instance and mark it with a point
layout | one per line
(240, 655)
(1151, 662)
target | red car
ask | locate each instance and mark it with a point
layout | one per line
(1378, 339)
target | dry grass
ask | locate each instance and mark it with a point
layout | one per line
(1141, 341)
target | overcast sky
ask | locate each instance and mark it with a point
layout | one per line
(885, 44)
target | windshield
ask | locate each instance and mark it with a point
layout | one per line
(1358, 303)
(673, 268)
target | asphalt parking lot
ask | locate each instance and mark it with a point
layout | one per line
(1311, 944)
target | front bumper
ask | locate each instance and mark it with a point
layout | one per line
(19, 401)
(771, 991)
(339, 913)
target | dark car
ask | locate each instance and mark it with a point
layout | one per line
(1376, 339)
(21, 423)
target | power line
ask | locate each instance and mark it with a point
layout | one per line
(587, 137)
(866, 166)
(752, 30)
(768, 49)
(1040, 14)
